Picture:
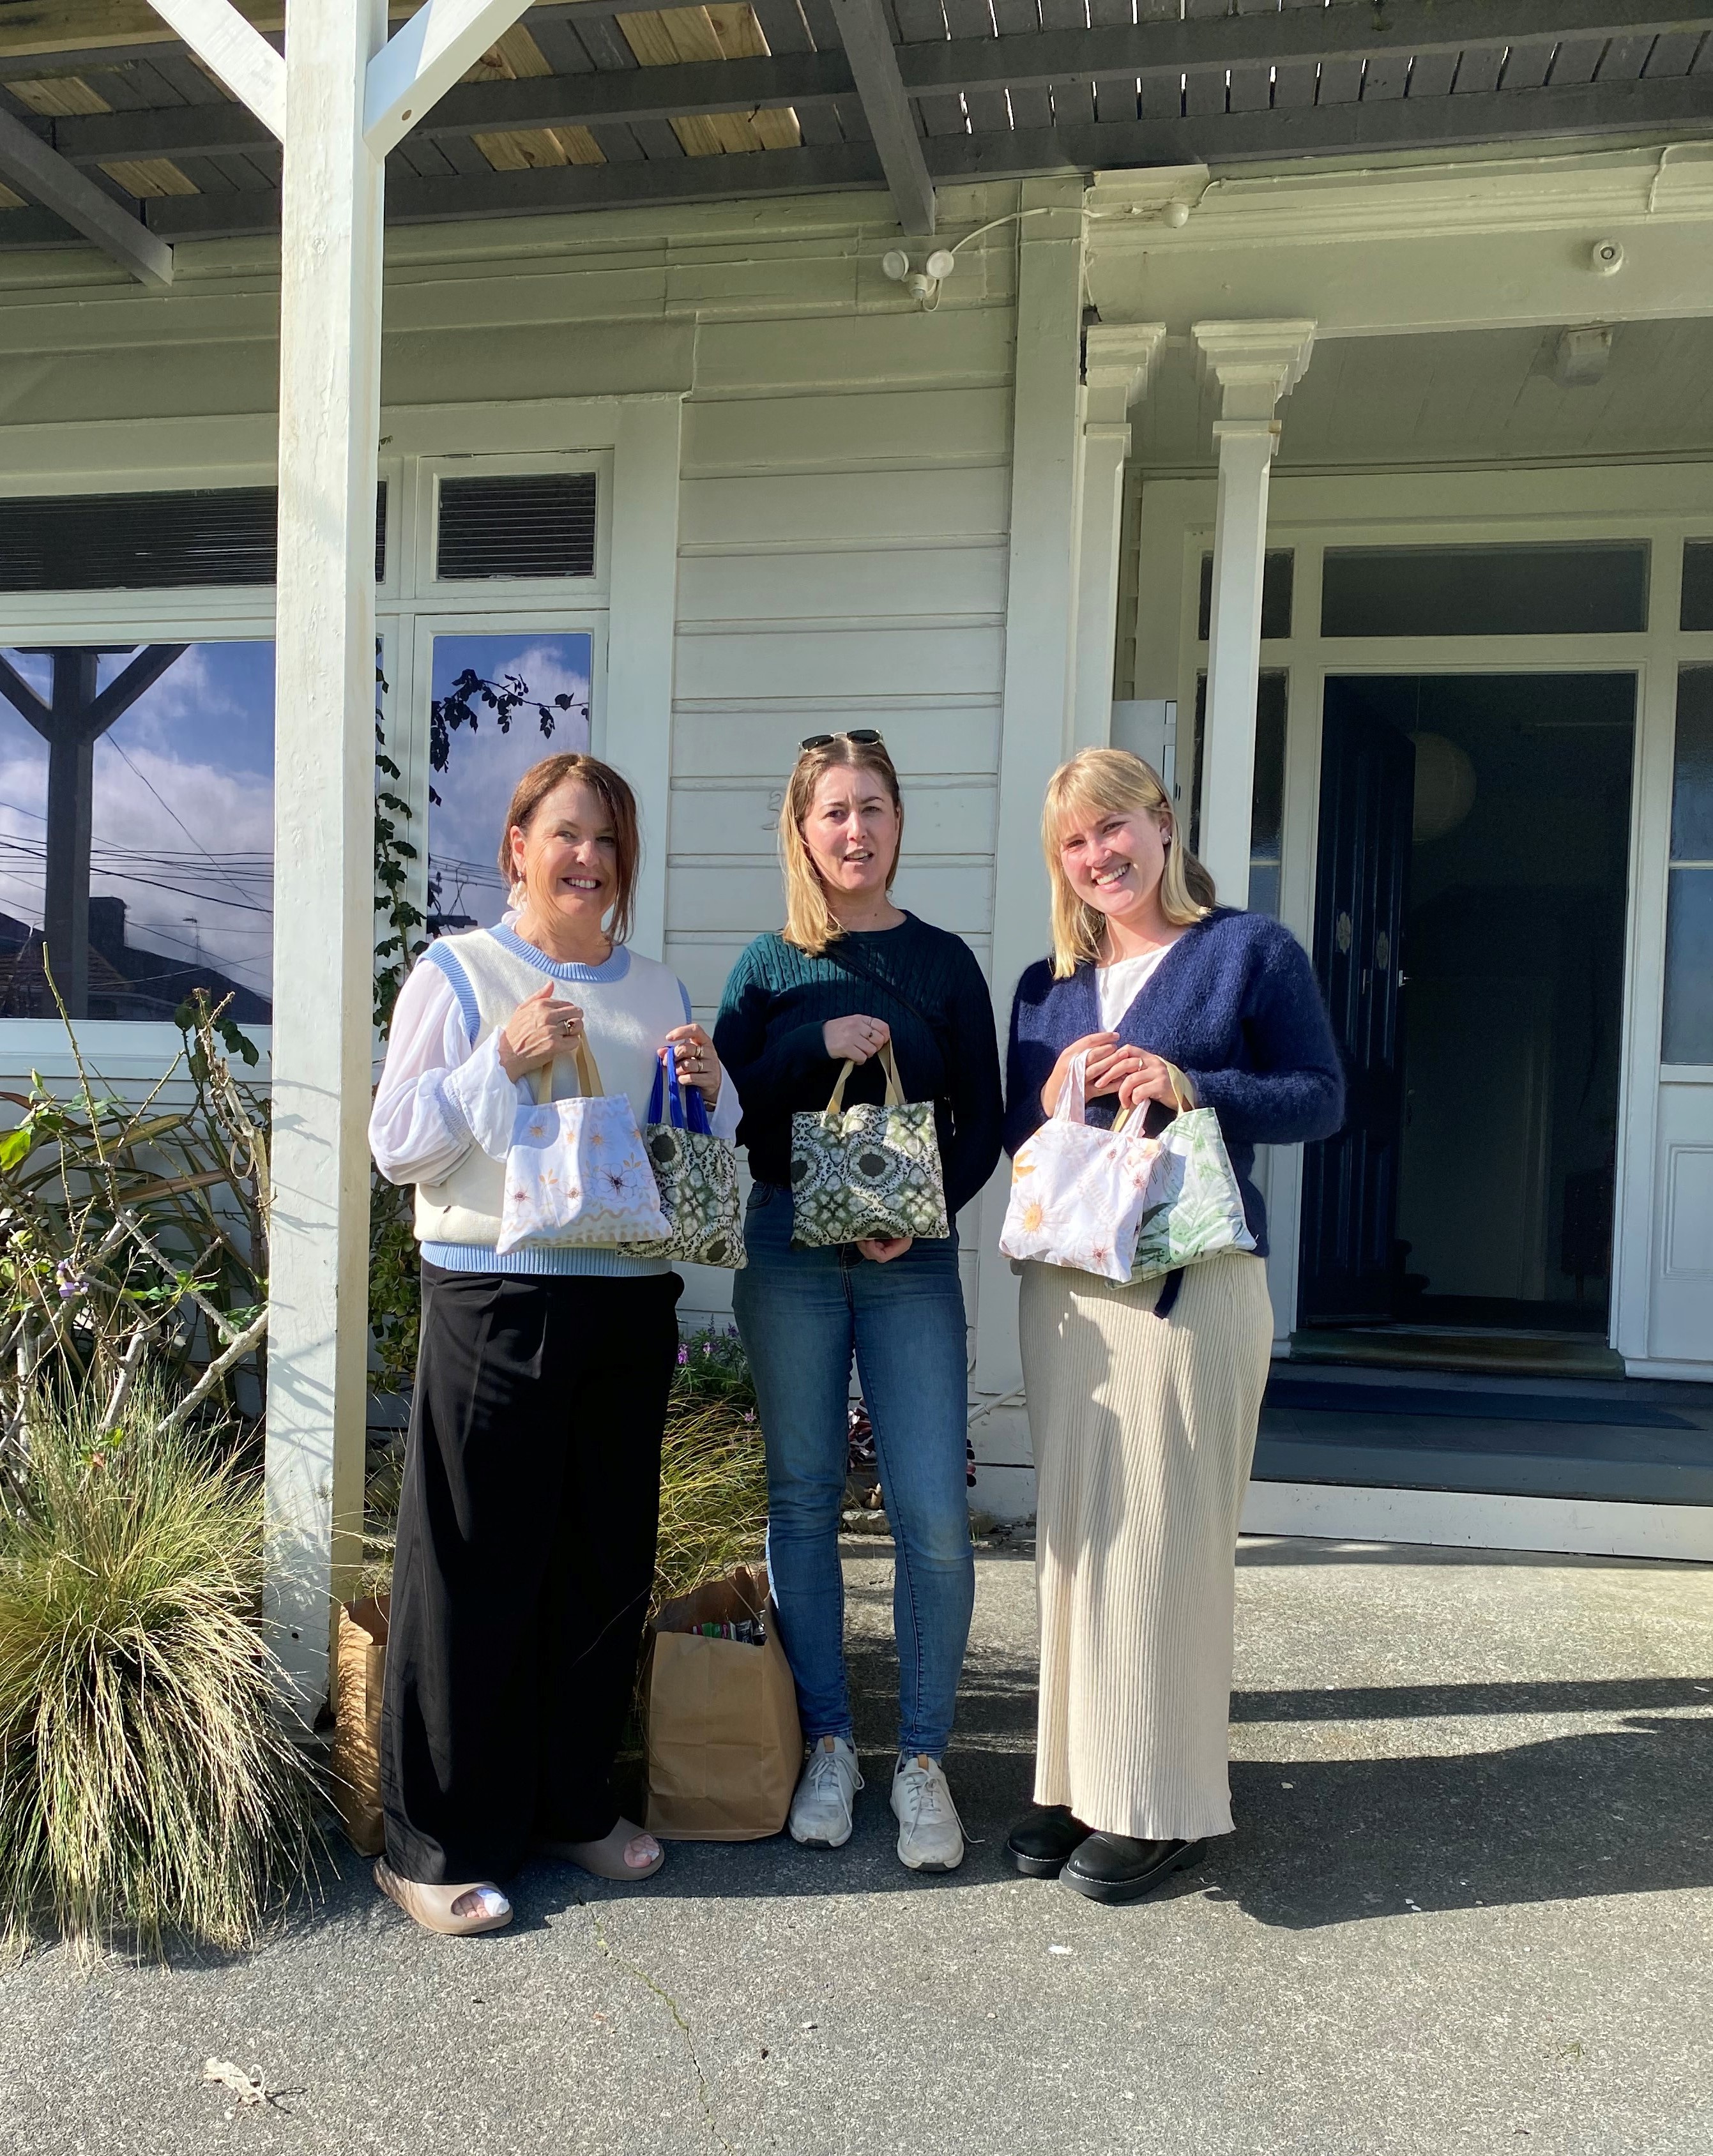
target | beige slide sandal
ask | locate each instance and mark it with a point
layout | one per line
(605, 1858)
(432, 1907)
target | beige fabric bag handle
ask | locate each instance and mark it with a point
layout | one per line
(895, 1090)
(1183, 1098)
(589, 1076)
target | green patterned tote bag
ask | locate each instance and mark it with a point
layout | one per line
(697, 1175)
(1194, 1209)
(867, 1171)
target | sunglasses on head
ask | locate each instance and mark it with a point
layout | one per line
(862, 736)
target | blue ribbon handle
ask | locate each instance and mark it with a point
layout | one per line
(685, 1105)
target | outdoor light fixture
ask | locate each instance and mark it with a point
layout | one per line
(922, 284)
(1580, 357)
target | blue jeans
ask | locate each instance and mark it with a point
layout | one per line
(801, 1314)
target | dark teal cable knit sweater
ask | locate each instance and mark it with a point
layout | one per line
(768, 1037)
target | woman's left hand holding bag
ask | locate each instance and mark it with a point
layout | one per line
(694, 1060)
(1152, 1081)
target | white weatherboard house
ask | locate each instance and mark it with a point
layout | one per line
(1319, 400)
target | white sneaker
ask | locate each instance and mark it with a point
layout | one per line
(930, 1835)
(820, 1811)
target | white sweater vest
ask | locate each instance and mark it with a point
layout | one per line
(625, 1021)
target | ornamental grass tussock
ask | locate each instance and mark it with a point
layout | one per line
(150, 1786)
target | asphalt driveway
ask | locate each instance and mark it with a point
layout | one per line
(1469, 1906)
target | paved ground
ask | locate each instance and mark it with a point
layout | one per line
(1469, 1907)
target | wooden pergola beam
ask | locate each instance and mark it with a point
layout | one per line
(1199, 138)
(481, 108)
(1169, 46)
(57, 185)
(874, 66)
(235, 52)
(420, 62)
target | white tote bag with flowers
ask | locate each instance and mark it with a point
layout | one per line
(1078, 1192)
(577, 1171)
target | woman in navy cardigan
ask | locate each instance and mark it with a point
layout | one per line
(1144, 1397)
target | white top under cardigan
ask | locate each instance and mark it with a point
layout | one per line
(439, 1097)
(1116, 986)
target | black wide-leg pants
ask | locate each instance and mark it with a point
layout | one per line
(526, 1549)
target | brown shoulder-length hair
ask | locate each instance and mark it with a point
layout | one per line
(1114, 781)
(808, 919)
(614, 796)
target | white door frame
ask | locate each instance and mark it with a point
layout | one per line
(1662, 504)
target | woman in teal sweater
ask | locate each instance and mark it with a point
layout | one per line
(849, 973)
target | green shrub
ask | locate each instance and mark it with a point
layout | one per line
(149, 1784)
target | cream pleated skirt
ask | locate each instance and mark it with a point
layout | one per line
(1143, 1430)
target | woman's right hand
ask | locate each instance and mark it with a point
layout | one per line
(1110, 1062)
(855, 1040)
(537, 1030)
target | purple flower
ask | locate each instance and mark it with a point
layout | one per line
(683, 1357)
(71, 1283)
(707, 1347)
(748, 1414)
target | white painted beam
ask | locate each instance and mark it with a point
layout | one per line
(436, 48)
(1040, 611)
(641, 638)
(59, 186)
(1255, 363)
(1118, 359)
(330, 359)
(236, 51)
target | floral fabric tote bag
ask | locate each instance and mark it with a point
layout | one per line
(1195, 1209)
(1079, 1193)
(696, 1174)
(867, 1171)
(576, 1172)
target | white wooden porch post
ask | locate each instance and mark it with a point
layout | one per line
(344, 97)
(1041, 619)
(1118, 360)
(330, 392)
(1255, 364)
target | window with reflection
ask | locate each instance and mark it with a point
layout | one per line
(136, 829)
(498, 705)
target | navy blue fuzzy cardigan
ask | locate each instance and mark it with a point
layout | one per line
(1235, 1004)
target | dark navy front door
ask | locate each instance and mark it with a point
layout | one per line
(1348, 1269)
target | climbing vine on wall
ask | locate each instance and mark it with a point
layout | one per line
(394, 1284)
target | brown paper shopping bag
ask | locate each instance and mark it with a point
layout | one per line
(725, 1745)
(360, 1669)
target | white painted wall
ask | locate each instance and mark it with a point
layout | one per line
(808, 508)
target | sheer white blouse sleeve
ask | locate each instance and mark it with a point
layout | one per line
(436, 1099)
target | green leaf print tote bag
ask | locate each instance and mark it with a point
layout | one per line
(1194, 1209)
(696, 1174)
(867, 1171)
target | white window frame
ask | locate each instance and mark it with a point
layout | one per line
(425, 625)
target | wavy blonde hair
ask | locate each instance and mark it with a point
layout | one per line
(1114, 781)
(808, 919)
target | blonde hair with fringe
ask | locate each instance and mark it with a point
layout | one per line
(808, 919)
(1114, 781)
